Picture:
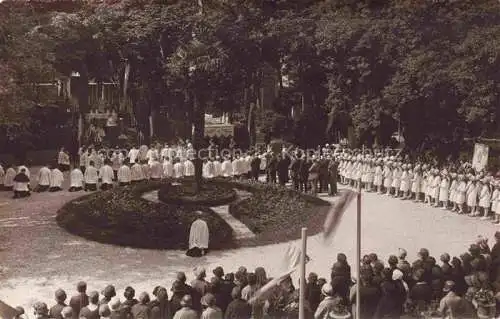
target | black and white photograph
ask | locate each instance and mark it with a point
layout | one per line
(249, 159)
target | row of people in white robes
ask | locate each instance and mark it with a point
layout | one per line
(7, 176)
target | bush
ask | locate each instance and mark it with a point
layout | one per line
(122, 217)
(275, 213)
(210, 194)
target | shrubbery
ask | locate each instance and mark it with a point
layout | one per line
(120, 216)
(211, 194)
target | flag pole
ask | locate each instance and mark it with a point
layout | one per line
(358, 254)
(302, 290)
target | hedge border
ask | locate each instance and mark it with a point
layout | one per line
(167, 196)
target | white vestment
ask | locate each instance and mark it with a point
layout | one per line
(124, 175)
(8, 180)
(136, 172)
(227, 168)
(199, 234)
(76, 178)
(44, 176)
(178, 170)
(27, 171)
(188, 168)
(56, 178)
(168, 169)
(91, 175)
(132, 155)
(106, 174)
(156, 170)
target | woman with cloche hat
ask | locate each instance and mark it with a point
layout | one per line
(472, 190)
(444, 189)
(485, 198)
(461, 194)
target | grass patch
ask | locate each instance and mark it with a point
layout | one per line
(121, 217)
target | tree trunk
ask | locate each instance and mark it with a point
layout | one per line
(199, 133)
(251, 124)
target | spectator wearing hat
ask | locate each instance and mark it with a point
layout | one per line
(181, 277)
(313, 291)
(392, 297)
(104, 311)
(141, 310)
(369, 295)
(41, 311)
(331, 301)
(211, 311)
(222, 296)
(91, 311)
(108, 293)
(20, 312)
(200, 287)
(60, 297)
(80, 300)
(160, 307)
(446, 268)
(238, 308)
(186, 312)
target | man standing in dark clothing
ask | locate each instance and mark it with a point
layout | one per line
(80, 300)
(272, 167)
(304, 174)
(323, 174)
(295, 171)
(255, 167)
(332, 176)
(282, 170)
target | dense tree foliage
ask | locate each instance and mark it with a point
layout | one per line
(428, 68)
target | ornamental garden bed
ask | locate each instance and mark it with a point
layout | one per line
(276, 214)
(121, 217)
(182, 192)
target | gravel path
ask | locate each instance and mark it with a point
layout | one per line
(37, 257)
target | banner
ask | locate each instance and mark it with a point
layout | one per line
(336, 212)
(480, 158)
(219, 130)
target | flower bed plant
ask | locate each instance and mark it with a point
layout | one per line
(183, 193)
(275, 213)
(120, 216)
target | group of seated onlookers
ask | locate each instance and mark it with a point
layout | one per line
(453, 287)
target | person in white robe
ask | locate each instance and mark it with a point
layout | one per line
(435, 187)
(124, 175)
(453, 191)
(116, 162)
(461, 194)
(396, 179)
(43, 179)
(495, 206)
(444, 190)
(76, 180)
(166, 151)
(146, 170)
(21, 184)
(8, 181)
(56, 180)
(485, 198)
(378, 178)
(106, 175)
(405, 182)
(133, 154)
(143, 151)
(472, 192)
(227, 168)
(136, 173)
(91, 177)
(188, 168)
(156, 170)
(2, 176)
(168, 168)
(416, 183)
(178, 169)
(199, 235)
(151, 154)
(217, 167)
(235, 165)
(387, 173)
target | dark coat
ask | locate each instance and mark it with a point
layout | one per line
(390, 304)
(141, 311)
(160, 309)
(78, 302)
(238, 309)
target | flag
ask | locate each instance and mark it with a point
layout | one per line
(292, 258)
(6, 311)
(268, 289)
(336, 212)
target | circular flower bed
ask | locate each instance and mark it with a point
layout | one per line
(183, 192)
(120, 216)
